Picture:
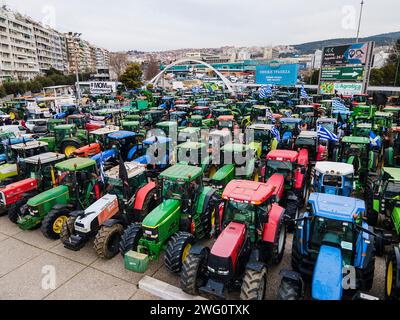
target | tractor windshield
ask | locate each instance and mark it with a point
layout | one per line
(239, 212)
(332, 181)
(393, 190)
(328, 125)
(352, 150)
(174, 190)
(284, 168)
(226, 124)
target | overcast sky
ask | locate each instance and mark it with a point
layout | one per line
(173, 24)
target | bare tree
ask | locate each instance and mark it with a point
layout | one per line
(118, 63)
(152, 69)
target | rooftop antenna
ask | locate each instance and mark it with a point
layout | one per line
(359, 21)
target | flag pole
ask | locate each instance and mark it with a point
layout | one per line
(359, 21)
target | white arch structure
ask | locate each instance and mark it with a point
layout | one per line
(228, 84)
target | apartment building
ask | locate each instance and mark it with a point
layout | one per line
(18, 51)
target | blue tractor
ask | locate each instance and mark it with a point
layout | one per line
(330, 242)
(333, 178)
(289, 130)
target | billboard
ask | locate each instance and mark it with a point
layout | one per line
(277, 74)
(103, 87)
(342, 73)
(351, 54)
(341, 88)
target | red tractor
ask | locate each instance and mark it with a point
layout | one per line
(253, 237)
(293, 167)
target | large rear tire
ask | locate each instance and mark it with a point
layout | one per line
(178, 249)
(372, 215)
(130, 238)
(289, 290)
(106, 243)
(193, 273)
(53, 222)
(392, 292)
(293, 211)
(254, 285)
(68, 148)
(275, 251)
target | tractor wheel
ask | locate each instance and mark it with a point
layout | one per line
(193, 273)
(178, 249)
(130, 238)
(292, 210)
(289, 290)
(53, 222)
(209, 217)
(392, 292)
(148, 205)
(277, 249)
(14, 210)
(296, 255)
(68, 229)
(379, 243)
(254, 285)
(106, 243)
(372, 215)
(69, 147)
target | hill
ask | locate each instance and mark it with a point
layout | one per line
(380, 40)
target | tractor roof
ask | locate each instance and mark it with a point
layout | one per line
(235, 147)
(75, 164)
(167, 124)
(192, 145)
(77, 116)
(45, 158)
(104, 131)
(258, 107)
(190, 130)
(309, 134)
(119, 135)
(248, 191)
(226, 118)
(327, 120)
(29, 145)
(392, 109)
(334, 168)
(65, 127)
(364, 125)
(261, 126)
(355, 140)
(383, 114)
(305, 106)
(394, 172)
(283, 155)
(336, 207)
(182, 172)
(133, 168)
(291, 120)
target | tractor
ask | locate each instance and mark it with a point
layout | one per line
(310, 140)
(392, 152)
(357, 151)
(189, 134)
(263, 135)
(330, 237)
(293, 167)
(78, 188)
(253, 237)
(289, 130)
(37, 175)
(200, 122)
(383, 197)
(186, 214)
(106, 219)
(194, 153)
(333, 178)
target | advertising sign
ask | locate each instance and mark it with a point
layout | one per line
(352, 54)
(277, 74)
(343, 73)
(102, 87)
(344, 88)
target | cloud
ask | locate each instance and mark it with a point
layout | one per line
(172, 24)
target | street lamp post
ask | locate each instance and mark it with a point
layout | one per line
(359, 21)
(76, 37)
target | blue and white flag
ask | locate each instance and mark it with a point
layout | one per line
(269, 114)
(288, 114)
(338, 105)
(325, 134)
(276, 133)
(196, 90)
(101, 168)
(375, 140)
(265, 92)
(304, 94)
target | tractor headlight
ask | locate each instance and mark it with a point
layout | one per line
(223, 272)
(211, 269)
(33, 212)
(150, 233)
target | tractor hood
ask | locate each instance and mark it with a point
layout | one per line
(328, 274)
(105, 156)
(162, 212)
(8, 171)
(224, 172)
(47, 196)
(14, 191)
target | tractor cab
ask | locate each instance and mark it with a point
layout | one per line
(227, 123)
(283, 162)
(263, 137)
(204, 112)
(309, 140)
(392, 153)
(125, 142)
(395, 111)
(331, 124)
(289, 130)
(383, 121)
(21, 151)
(219, 112)
(157, 153)
(330, 237)
(189, 134)
(259, 112)
(41, 167)
(300, 110)
(334, 178)
(152, 117)
(193, 153)
(363, 130)
(167, 128)
(67, 139)
(179, 117)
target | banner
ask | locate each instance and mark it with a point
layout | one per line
(344, 88)
(352, 54)
(277, 74)
(102, 87)
(343, 73)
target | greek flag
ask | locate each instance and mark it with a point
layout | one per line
(375, 140)
(196, 90)
(101, 168)
(288, 114)
(269, 114)
(325, 134)
(265, 92)
(276, 133)
(304, 94)
(338, 105)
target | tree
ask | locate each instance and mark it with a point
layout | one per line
(132, 77)
(153, 68)
(118, 63)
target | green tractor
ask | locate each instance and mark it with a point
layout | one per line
(78, 188)
(195, 154)
(357, 151)
(186, 214)
(67, 139)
